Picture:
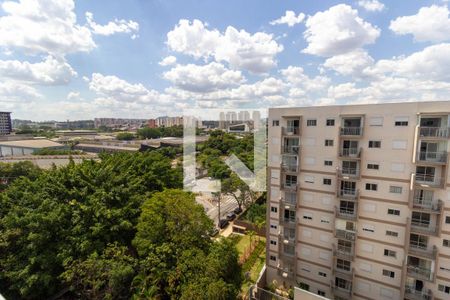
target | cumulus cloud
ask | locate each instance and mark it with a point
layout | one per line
(168, 61)
(14, 92)
(338, 30)
(371, 5)
(289, 18)
(46, 26)
(205, 78)
(429, 24)
(51, 71)
(73, 95)
(351, 63)
(298, 79)
(240, 49)
(116, 26)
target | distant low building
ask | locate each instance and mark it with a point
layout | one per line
(5, 123)
(27, 147)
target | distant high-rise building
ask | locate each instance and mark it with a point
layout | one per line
(243, 116)
(222, 120)
(152, 123)
(359, 200)
(5, 123)
(256, 116)
(231, 117)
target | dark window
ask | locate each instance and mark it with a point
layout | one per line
(391, 233)
(388, 273)
(390, 253)
(444, 288)
(394, 212)
(311, 122)
(272, 257)
(446, 243)
(321, 293)
(374, 144)
(328, 163)
(401, 123)
(447, 220)
(330, 122)
(275, 123)
(371, 186)
(272, 242)
(329, 143)
(273, 209)
(327, 181)
(373, 166)
(303, 286)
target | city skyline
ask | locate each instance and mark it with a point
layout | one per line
(143, 59)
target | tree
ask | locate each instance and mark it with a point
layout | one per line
(239, 190)
(125, 136)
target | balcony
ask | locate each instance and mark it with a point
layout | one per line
(291, 168)
(345, 234)
(435, 132)
(433, 157)
(288, 222)
(343, 273)
(432, 206)
(286, 273)
(289, 163)
(343, 252)
(429, 180)
(345, 213)
(412, 294)
(423, 251)
(350, 194)
(420, 272)
(344, 291)
(290, 131)
(351, 131)
(288, 204)
(354, 153)
(288, 149)
(420, 227)
(289, 186)
(346, 172)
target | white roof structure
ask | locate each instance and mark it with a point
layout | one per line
(32, 144)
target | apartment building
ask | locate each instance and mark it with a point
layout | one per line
(5, 123)
(359, 200)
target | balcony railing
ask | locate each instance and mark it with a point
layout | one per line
(437, 132)
(351, 194)
(420, 227)
(289, 167)
(426, 179)
(290, 149)
(413, 294)
(419, 272)
(351, 131)
(344, 291)
(423, 251)
(345, 213)
(429, 205)
(286, 273)
(350, 152)
(348, 172)
(287, 203)
(289, 186)
(433, 157)
(291, 130)
(343, 252)
(345, 234)
(289, 222)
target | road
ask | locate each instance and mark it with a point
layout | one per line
(228, 204)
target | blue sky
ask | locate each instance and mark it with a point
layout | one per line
(64, 59)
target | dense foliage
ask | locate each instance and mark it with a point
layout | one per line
(49, 151)
(11, 172)
(110, 229)
(125, 136)
(152, 133)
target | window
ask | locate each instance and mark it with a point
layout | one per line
(374, 144)
(373, 166)
(312, 122)
(447, 219)
(388, 273)
(306, 270)
(376, 121)
(328, 162)
(394, 212)
(444, 288)
(330, 122)
(329, 143)
(273, 226)
(272, 242)
(343, 264)
(273, 209)
(307, 217)
(327, 181)
(321, 293)
(371, 186)
(303, 286)
(390, 253)
(275, 123)
(273, 257)
(322, 274)
(368, 228)
(446, 243)
(401, 121)
(391, 233)
(395, 189)
(309, 179)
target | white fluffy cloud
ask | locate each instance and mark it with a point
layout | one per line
(351, 63)
(240, 49)
(344, 90)
(371, 5)
(14, 92)
(43, 26)
(116, 26)
(338, 30)
(298, 79)
(168, 61)
(289, 18)
(203, 79)
(51, 71)
(73, 95)
(429, 24)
